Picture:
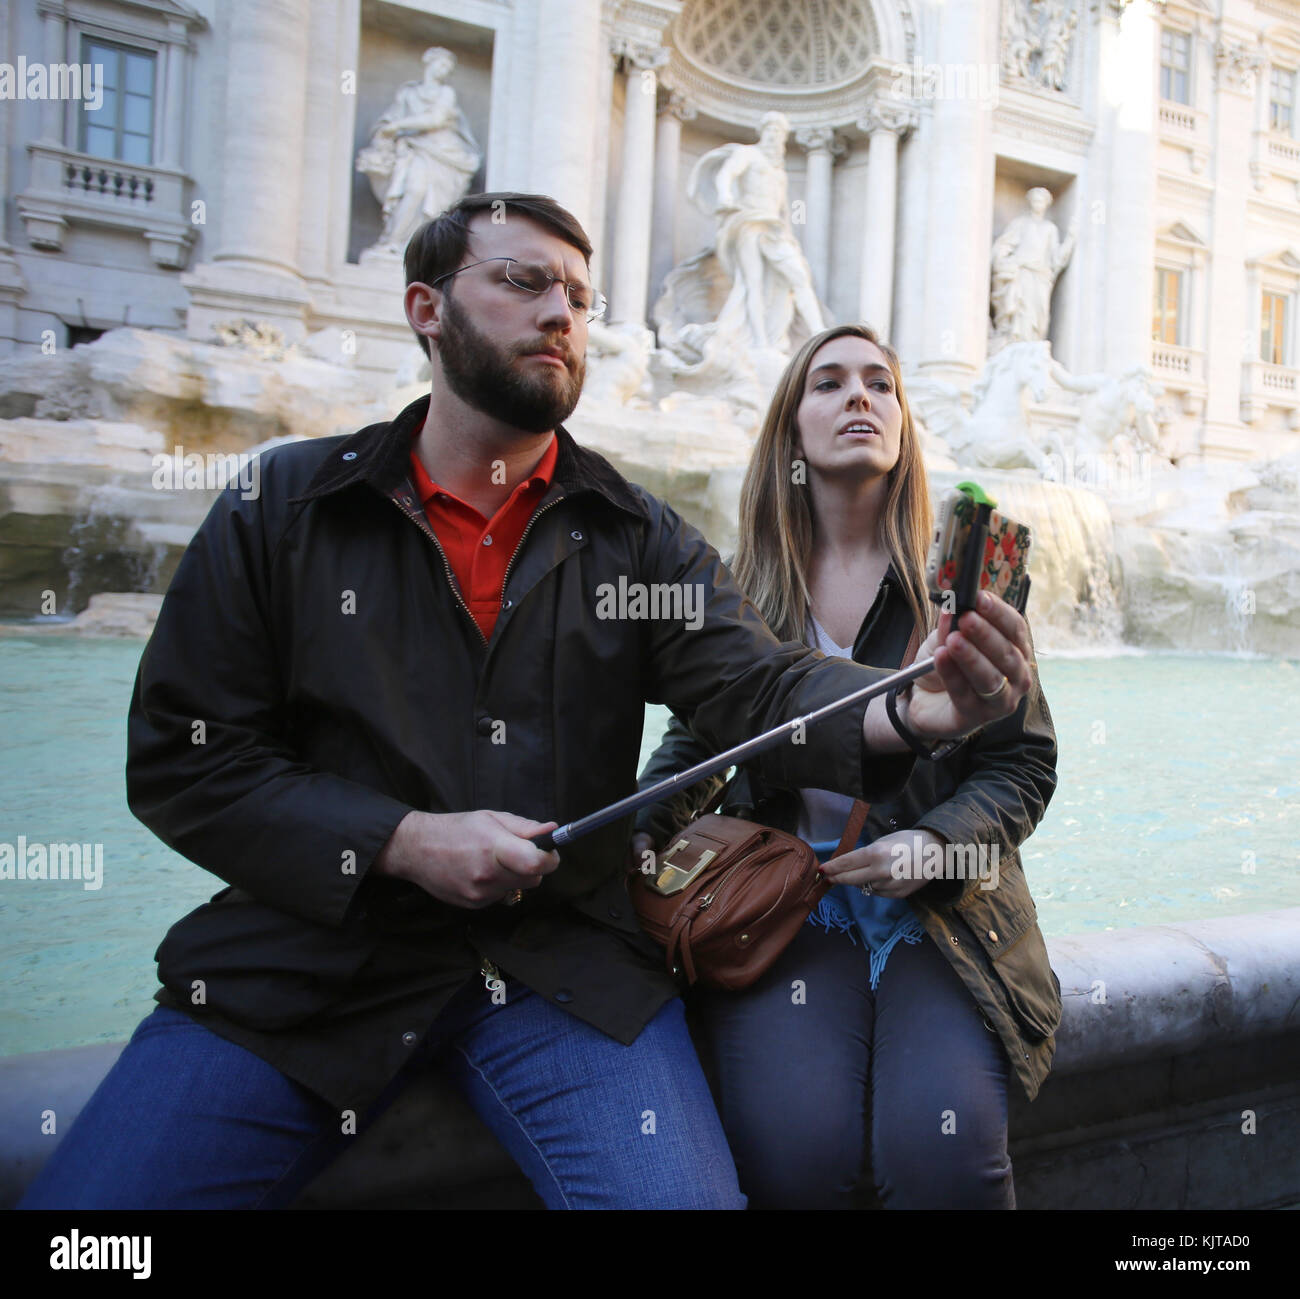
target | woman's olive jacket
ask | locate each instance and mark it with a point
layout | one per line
(990, 793)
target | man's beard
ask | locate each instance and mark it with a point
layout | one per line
(487, 378)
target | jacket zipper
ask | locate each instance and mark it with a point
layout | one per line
(451, 579)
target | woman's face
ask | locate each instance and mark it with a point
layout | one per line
(849, 417)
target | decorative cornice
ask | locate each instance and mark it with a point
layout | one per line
(1026, 117)
(805, 106)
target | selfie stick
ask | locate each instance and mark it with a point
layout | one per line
(967, 588)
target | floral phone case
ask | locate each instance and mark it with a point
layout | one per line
(1006, 552)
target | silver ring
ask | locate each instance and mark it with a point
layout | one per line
(866, 888)
(993, 694)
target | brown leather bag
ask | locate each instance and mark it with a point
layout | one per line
(728, 896)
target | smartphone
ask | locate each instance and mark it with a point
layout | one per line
(1002, 562)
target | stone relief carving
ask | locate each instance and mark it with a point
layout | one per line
(1237, 64)
(1027, 257)
(421, 156)
(1037, 39)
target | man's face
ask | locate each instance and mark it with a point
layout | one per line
(519, 357)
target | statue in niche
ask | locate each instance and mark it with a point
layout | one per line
(752, 292)
(1027, 257)
(421, 156)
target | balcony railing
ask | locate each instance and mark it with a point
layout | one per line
(72, 188)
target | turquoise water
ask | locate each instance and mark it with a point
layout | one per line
(1176, 771)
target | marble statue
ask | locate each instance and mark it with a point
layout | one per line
(1027, 257)
(750, 294)
(1114, 410)
(421, 156)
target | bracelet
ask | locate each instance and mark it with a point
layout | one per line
(914, 742)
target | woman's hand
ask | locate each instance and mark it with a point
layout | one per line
(982, 671)
(891, 865)
(641, 853)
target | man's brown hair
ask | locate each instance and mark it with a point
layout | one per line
(438, 246)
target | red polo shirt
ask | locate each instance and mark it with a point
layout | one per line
(479, 550)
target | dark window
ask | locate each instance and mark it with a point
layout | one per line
(122, 126)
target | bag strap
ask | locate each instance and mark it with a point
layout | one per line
(858, 813)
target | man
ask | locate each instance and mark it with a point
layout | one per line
(366, 692)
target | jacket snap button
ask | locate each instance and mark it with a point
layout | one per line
(484, 726)
(563, 995)
(349, 455)
(506, 604)
(576, 535)
(409, 1039)
(953, 941)
(993, 934)
(893, 823)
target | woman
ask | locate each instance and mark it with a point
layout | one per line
(884, 1036)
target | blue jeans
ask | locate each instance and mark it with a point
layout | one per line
(822, 1083)
(187, 1120)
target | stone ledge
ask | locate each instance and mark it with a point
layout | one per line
(1147, 1108)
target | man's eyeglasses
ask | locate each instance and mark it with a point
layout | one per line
(532, 278)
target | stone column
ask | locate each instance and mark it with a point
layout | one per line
(821, 146)
(955, 329)
(55, 31)
(668, 144)
(254, 271)
(631, 268)
(567, 49)
(175, 109)
(1234, 323)
(12, 285)
(1126, 54)
(884, 123)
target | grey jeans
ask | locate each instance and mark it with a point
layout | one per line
(825, 1087)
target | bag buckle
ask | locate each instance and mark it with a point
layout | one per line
(673, 879)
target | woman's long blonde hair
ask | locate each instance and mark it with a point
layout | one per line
(776, 522)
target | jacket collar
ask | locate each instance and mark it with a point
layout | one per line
(380, 456)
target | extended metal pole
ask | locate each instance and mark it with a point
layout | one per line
(720, 762)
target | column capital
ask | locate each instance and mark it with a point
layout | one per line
(894, 118)
(1237, 63)
(819, 139)
(679, 106)
(642, 55)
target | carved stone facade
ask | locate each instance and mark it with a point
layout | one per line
(1168, 133)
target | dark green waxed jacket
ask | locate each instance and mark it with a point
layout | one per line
(993, 790)
(315, 675)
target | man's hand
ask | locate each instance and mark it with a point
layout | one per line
(891, 865)
(467, 859)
